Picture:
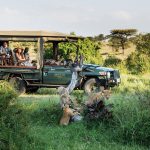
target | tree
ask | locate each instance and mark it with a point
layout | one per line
(72, 33)
(142, 43)
(99, 37)
(122, 35)
(115, 44)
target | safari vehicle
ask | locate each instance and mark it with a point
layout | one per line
(47, 74)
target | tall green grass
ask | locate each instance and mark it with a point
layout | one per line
(132, 110)
(7, 95)
(34, 121)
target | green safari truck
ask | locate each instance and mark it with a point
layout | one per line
(50, 73)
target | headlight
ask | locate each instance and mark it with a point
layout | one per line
(108, 75)
(103, 73)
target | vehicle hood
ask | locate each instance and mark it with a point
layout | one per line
(97, 67)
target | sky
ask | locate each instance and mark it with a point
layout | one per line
(84, 17)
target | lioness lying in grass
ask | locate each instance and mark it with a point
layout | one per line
(93, 98)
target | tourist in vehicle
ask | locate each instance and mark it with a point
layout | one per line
(5, 54)
(26, 53)
(21, 58)
(59, 60)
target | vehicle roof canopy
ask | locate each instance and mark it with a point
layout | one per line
(35, 35)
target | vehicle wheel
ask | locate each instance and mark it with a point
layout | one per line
(91, 86)
(18, 84)
(32, 89)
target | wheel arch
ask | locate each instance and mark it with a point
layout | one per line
(18, 83)
(12, 75)
(85, 79)
(19, 75)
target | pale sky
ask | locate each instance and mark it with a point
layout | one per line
(84, 17)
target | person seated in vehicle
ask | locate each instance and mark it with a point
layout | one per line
(14, 57)
(27, 57)
(59, 61)
(26, 53)
(6, 54)
(20, 57)
(50, 62)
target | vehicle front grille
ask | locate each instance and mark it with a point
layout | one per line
(114, 74)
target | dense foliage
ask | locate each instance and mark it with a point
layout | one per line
(112, 61)
(143, 43)
(89, 48)
(139, 61)
(7, 94)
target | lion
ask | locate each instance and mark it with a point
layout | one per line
(96, 97)
(67, 114)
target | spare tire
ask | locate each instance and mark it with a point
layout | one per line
(18, 84)
(92, 86)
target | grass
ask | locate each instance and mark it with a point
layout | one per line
(37, 124)
(47, 134)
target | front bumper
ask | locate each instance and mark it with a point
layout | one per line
(114, 82)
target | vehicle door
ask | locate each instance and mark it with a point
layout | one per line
(56, 75)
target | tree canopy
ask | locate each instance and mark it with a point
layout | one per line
(142, 43)
(121, 36)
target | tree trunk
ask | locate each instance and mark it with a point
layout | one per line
(65, 92)
(123, 47)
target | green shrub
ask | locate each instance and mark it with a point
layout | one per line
(7, 115)
(116, 63)
(138, 63)
(112, 61)
(7, 93)
(143, 43)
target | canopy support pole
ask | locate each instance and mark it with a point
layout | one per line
(40, 52)
(55, 50)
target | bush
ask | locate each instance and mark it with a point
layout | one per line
(7, 94)
(116, 63)
(112, 61)
(143, 43)
(138, 63)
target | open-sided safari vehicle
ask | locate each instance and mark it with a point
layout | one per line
(50, 73)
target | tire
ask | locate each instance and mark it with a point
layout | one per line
(91, 86)
(18, 84)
